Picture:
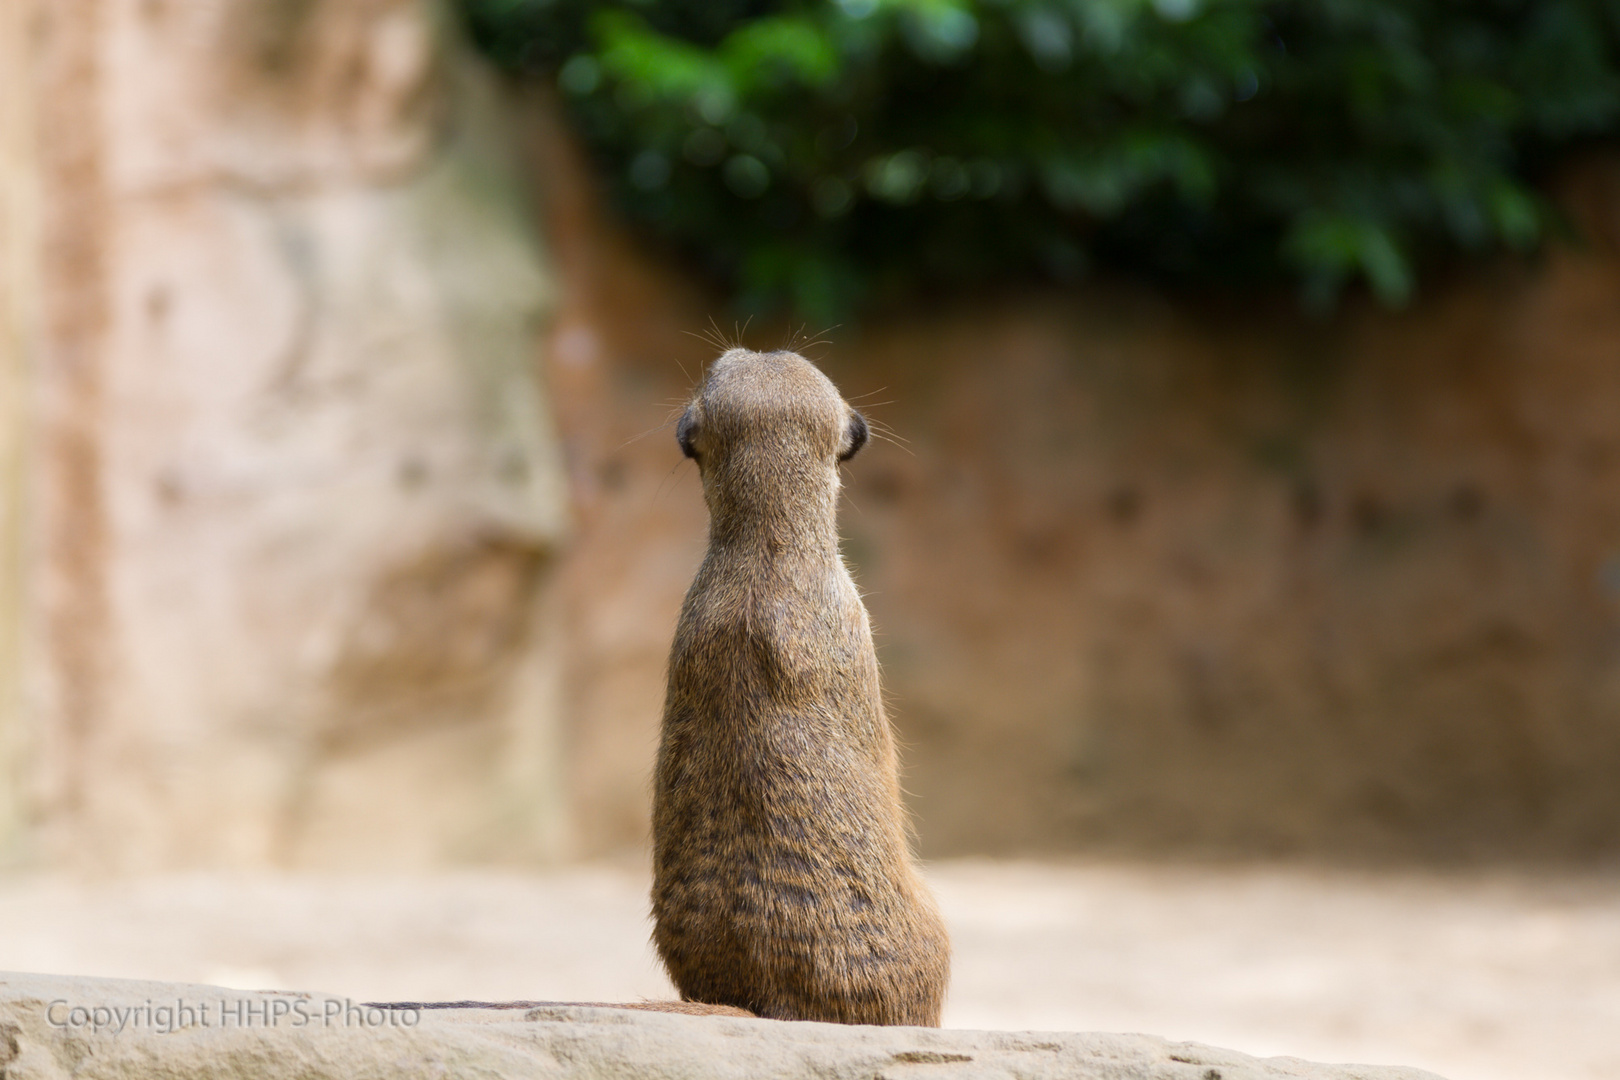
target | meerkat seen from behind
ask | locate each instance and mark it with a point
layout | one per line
(783, 879)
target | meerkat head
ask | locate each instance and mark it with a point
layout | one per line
(774, 405)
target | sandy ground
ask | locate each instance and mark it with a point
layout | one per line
(1481, 976)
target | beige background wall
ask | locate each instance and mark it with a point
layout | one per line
(292, 489)
(18, 214)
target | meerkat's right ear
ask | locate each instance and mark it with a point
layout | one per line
(856, 433)
(683, 434)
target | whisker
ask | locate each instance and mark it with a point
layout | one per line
(893, 440)
(713, 336)
(659, 494)
(804, 341)
(652, 430)
(712, 342)
(884, 429)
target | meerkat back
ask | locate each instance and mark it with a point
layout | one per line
(783, 880)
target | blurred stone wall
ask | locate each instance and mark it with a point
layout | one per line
(18, 195)
(291, 489)
(294, 568)
(1155, 575)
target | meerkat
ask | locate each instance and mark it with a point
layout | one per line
(783, 877)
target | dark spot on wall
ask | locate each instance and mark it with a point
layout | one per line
(1306, 502)
(514, 468)
(613, 474)
(1202, 682)
(434, 639)
(170, 489)
(1466, 502)
(1124, 504)
(413, 473)
(158, 301)
(1368, 513)
(885, 486)
(1384, 804)
(1039, 547)
(274, 33)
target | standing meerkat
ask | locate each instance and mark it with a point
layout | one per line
(783, 879)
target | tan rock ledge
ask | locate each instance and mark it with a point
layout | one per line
(55, 1026)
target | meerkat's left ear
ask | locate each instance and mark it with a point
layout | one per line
(855, 434)
(684, 432)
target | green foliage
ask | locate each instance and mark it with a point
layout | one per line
(833, 154)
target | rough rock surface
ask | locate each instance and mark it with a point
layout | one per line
(293, 488)
(52, 1026)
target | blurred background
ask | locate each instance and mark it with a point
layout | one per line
(1245, 563)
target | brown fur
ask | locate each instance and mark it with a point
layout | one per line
(783, 881)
